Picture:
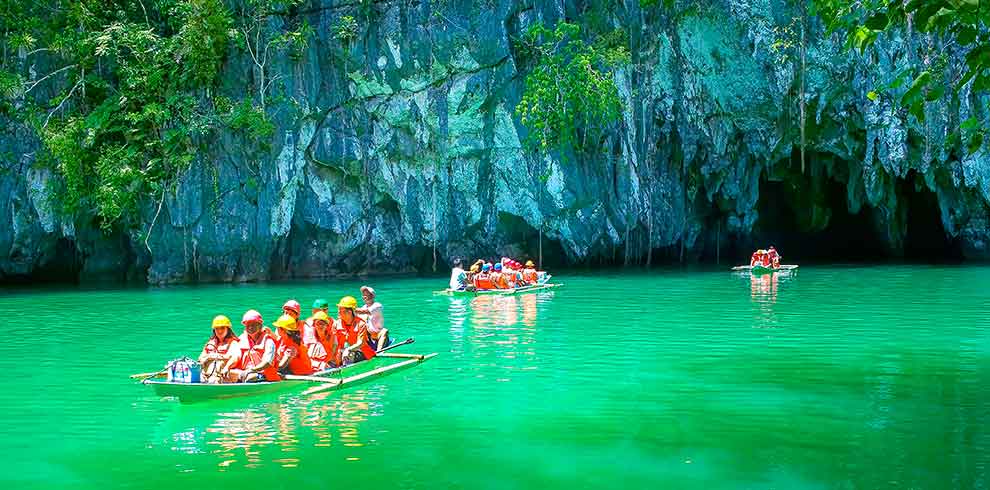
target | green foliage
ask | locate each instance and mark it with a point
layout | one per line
(346, 29)
(250, 119)
(570, 92)
(963, 21)
(202, 38)
(786, 41)
(129, 109)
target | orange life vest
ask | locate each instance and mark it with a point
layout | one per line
(221, 347)
(483, 280)
(353, 331)
(300, 363)
(530, 276)
(252, 356)
(321, 352)
(501, 280)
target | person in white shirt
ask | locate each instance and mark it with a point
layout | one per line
(458, 279)
(372, 313)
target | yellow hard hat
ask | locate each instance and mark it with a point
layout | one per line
(347, 302)
(529, 263)
(321, 315)
(221, 321)
(286, 322)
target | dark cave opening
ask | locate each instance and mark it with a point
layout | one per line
(791, 217)
(926, 239)
(516, 238)
(64, 266)
(811, 222)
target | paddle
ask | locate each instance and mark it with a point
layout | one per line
(315, 379)
(404, 342)
(149, 375)
(318, 379)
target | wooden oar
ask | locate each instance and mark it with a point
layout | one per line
(149, 375)
(398, 355)
(368, 374)
(317, 379)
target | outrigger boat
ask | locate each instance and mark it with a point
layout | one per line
(497, 292)
(760, 269)
(324, 380)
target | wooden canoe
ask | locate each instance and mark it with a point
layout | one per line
(199, 392)
(498, 292)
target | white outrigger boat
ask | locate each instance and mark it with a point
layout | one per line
(321, 381)
(497, 292)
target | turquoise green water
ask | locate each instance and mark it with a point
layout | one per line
(830, 378)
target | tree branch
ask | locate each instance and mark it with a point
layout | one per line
(147, 236)
(59, 106)
(46, 77)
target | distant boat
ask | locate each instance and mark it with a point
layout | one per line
(497, 292)
(759, 269)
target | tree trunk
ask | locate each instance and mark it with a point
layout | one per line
(718, 242)
(804, 71)
(433, 190)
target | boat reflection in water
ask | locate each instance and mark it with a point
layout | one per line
(501, 333)
(763, 291)
(763, 287)
(275, 432)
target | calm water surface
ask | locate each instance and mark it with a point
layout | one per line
(829, 378)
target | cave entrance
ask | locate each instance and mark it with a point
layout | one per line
(926, 239)
(64, 266)
(808, 219)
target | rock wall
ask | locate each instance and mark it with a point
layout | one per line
(402, 146)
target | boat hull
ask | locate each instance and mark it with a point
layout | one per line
(499, 292)
(759, 269)
(197, 392)
(201, 392)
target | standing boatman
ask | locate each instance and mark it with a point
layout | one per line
(458, 278)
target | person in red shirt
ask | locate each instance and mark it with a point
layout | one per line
(483, 280)
(500, 278)
(220, 353)
(291, 357)
(774, 257)
(324, 348)
(257, 346)
(358, 340)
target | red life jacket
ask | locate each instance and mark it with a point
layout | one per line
(356, 329)
(212, 346)
(252, 356)
(300, 363)
(483, 280)
(321, 352)
(765, 260)
(501, 281)
(530, 276)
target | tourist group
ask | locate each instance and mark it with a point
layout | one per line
(291, 345)
(503, 274)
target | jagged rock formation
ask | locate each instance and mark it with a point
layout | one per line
(404, 142)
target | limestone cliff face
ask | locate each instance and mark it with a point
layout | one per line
(405, 141)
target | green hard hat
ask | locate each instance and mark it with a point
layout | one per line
(321, 304)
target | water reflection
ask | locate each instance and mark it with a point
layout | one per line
(276, 432)
(763, 287)
(501, 334)
(763, 292)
